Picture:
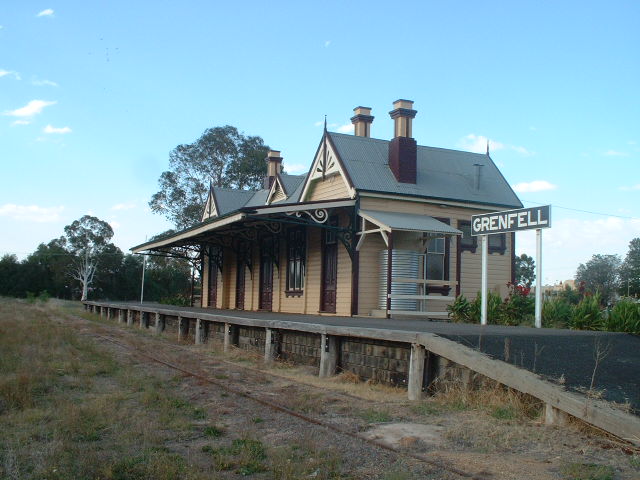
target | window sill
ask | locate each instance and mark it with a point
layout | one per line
(441, 289)
(293, 293)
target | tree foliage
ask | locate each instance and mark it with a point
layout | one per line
(87, 238)
(600, 275)
(525, 270)
(223, 157)
(630, 270)
(117, 276)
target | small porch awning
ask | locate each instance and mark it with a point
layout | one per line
(408, 222)
(398, 221)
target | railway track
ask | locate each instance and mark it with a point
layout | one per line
(205, 378)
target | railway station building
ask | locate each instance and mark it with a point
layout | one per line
(376, 227)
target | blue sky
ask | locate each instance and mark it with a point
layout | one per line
(94, 95)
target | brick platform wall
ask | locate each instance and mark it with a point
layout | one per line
(379, 361)
(299, 347)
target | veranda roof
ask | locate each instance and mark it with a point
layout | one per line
(409, 222)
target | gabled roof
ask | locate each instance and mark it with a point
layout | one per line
(229, 200)
(291, 183)
(441, 173)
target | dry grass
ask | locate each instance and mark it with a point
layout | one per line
(70, 410)
(501, 402)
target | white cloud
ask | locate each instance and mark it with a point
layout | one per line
(534, 186)
(4, 73)
(327, 43)
(297, 168)
(348, 128)
(43, 83)
(45, 13)
(318, 124)
(631, 142)
(20, 122)
(478, 144)
(632, 187)
(533, 129)
(570, 242)
(31, 213)
(123, 206)
(115, 225)
(615, 153)
(60, 130)
(30, 109)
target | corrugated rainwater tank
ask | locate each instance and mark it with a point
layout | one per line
(406, 264)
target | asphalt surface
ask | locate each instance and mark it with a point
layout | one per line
(567, 357)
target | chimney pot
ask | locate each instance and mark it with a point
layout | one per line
(274, 167)
(403, 150)
(362, 121)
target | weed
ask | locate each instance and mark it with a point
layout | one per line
(371, 415)
(425, 408)
(198, 413)
(245, 455)
(221, 376)
(587, 471)
(257, 420)
(213, 431)
(504, 413)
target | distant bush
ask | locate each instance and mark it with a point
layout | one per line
(556, 312)
(587, 314)
(178, 300)
(624, 317)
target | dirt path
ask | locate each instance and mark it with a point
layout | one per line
(455, 442)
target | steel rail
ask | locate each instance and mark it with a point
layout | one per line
(280, 408)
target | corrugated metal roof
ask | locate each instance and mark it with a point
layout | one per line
(229, 200)
(441, 173)
(409, 222)
(291, 182)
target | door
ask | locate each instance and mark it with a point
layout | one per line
(212, 287)
(240, 284)
(329, 284)
(266, 274)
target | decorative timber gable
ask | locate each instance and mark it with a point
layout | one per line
(277, 192)
(328, 178)
(210, 207)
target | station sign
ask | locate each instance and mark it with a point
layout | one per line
(511, 220)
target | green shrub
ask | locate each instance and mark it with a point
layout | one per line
(518, 307)
(178, 300)
(494, 308)
(624, 317)
(44, 296)
(460, 310)
(556, 312)
(587, 314)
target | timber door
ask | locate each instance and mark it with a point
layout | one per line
(329, 285)
(240, 284)
(265, 301)
(212, 284)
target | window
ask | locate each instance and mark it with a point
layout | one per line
(498, 243)
(435, 259)
(296, 253)
(467, 242)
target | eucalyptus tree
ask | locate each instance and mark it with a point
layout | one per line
(222, 157)
(87, 238)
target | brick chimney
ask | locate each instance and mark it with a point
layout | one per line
(362, 121)
(403, 150)
(274, 167)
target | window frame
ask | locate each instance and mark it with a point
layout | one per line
(442, 289)
(501, 248)
(473, 245)
(296, 260)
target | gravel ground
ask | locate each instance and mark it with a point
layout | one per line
(473, 439)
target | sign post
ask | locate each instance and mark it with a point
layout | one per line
(511, 221)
